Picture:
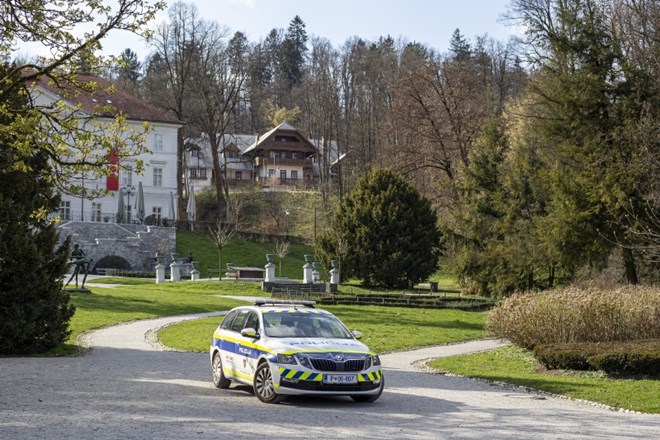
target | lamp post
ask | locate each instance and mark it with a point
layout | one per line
(82, 199)
(130, 190)
(287, 222)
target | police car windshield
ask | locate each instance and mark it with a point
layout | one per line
(301, 324)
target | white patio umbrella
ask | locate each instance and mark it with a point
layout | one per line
(139, 202)
(191, 209)
(171, 213)
(120, 206)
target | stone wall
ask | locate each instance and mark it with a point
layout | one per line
(134, 246)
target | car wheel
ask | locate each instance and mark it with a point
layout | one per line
(219, 379)
(373, 397)
(263, 385)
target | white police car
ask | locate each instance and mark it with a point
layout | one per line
(285, 348)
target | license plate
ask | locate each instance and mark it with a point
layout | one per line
(339, 378)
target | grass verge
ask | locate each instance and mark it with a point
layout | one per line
(130, 302)
(384, 328)
(518, 366)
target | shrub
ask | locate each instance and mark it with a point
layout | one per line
(616, 357)
(562, 356)
(385, 233)
(578, 315)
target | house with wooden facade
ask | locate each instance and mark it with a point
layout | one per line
(281, 158)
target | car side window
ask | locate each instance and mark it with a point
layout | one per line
(252, 321)
(239, 321)
(226, 323)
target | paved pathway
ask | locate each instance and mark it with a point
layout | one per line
(127, 387)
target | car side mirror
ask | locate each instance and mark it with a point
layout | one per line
(357, 334)
(249, 332)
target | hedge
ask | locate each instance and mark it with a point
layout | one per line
(613, 357)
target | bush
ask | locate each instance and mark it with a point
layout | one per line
(617, 357)
(578, 315)
(562, 356)
(384, 233)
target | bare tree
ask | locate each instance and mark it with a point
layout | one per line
(216, 87)
(171, 69)
(281, 250)
(221, 233)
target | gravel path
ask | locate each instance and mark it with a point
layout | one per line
(127, 387)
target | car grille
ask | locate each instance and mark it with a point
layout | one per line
(348, 365)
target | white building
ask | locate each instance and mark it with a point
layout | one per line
(158, 180)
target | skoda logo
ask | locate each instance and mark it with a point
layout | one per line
(339, 357)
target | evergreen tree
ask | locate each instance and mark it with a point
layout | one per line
(128, 70)
(497, 229)
(384, 233)
(293, 52)
(459, 46)
(34, 308)
(588, 98)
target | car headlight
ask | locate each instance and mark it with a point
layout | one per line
(286, 359)
(375, 360)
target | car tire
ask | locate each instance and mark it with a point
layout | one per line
(372, 397)
(219, 379)
(263, 385)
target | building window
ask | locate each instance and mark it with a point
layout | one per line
(96, 212)
(156, 211)
(65, 210)
(158, 177)
(294, 155)
(127, 176)
(158, 142)
(282, 174)
(282, 154)
(271, 173)
(238, 175)
(271, 153)
(294, 174)
(198, 173)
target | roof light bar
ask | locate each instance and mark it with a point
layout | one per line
(282, 302)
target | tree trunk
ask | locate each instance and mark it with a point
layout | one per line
(630, 266)
(551, 277)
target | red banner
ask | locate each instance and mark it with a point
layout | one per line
(112, 180)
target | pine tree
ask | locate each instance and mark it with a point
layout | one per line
(587, 98)
(293, 52)
(384, 233)
(34, 308)
(459, 46)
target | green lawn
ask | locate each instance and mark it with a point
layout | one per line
(142, 299)
(240, 253)
(518, 366)
(384, 328)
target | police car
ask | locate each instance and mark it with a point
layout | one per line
(283, 348)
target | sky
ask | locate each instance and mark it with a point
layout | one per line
(430, 22)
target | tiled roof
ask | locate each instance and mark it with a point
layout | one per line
(108, 100)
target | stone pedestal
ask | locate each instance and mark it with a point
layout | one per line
(308, 274)
(194, 275)
(334, 276)
(269, 276)
(175, 272)
(160, 273)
